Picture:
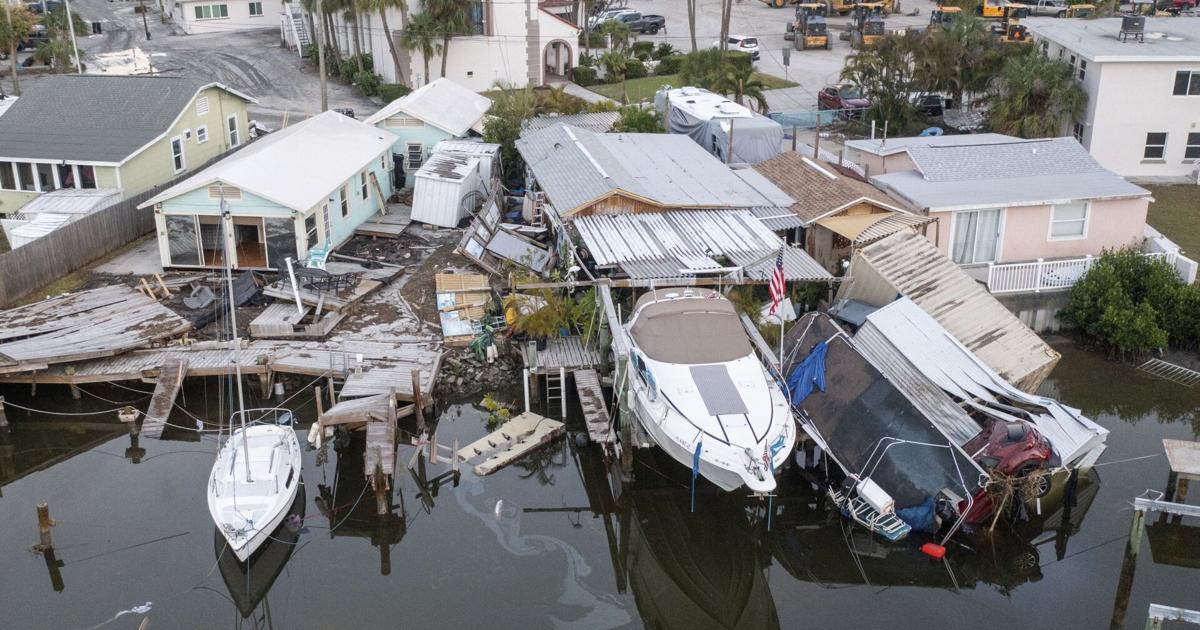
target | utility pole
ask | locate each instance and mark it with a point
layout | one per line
(146, 26)
(319, 24)
(74, 46)
(12, 51)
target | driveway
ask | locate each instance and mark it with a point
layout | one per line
(812, 69)
(251, 61)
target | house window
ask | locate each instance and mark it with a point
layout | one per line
(45, 176)
(345, 200)
(177, 154)
(212, 11)
(310, 228)
(25, 177)
(87, 176)
(478, 18)
(1187, 83)
(1068, 220)
(976, 236)
(1082, 68)
(8, 176)
(202, 106)
(1156, 146)
(202, 134)
(416, 152)
(66, 176)
(1077, 131)
(183, 240)
(383, 162)
(256, 9)
(362, 181)
(1192, 151)
(231, 125)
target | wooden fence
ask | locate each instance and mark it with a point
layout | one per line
(79, 243)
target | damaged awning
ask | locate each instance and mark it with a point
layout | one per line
(863, 229)
(686, 243)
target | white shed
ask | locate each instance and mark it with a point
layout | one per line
(446, 189)
(488, 154)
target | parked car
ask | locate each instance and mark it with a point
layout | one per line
(1012, 449)
(930, 104)
(607, 15)
(844, 97)
(651, 24)
(37, 6)
(35, 37)
(742, 43)
(1053, 8)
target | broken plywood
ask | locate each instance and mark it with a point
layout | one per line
(512, 441)
(462, 300)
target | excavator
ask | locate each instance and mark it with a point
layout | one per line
(867, 24)
(809, 30)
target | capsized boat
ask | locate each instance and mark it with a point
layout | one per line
(254, 480)
(696, 383)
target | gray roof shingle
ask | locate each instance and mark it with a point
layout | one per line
(91, 117)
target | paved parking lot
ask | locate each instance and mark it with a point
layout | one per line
(812, 69)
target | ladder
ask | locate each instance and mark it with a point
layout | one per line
(299, 30)
(555, 384)
(535, 214)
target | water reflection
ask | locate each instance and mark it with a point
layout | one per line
(248, 583)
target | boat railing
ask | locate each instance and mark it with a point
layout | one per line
(263, 415)
(877, 455)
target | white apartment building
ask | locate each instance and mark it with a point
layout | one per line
(1143, 113)
(222, 16)
(516, 42)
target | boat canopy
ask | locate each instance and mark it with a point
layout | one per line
(690, 331)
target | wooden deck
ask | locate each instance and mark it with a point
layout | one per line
(512, 441)
(85, 325)
(371, 281)
(281, 321)
(568, 353)
(595, 412)
(170, 379)
(390, 225)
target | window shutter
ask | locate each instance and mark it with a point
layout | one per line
(231, 193)
(202, 106)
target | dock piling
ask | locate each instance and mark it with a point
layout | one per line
(44, 524)
(75, 393)
(3, 418)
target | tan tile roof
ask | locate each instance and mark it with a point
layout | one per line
(816, 194)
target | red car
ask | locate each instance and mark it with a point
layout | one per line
(845, 98)
(1012, 449)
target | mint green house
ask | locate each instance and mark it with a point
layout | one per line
(441, 110)
(121, 134)
(304, 187)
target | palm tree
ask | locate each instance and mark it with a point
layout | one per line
(381, 7)
(453, 17)
(614, 62)
(18, 21)
(885, 73)
(739, 82)
(421, 34)
(1038, 97)
(352, 13)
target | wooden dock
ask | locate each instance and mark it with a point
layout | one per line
(370, 281)
(595, 411)
(170, 379)
(390, 225)
(512, 441)
(567, 353)
(281, 321)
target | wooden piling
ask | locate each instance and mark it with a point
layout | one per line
(76, 394)
(381, 491)
(418, 401)
(264, 384)
(3, 418)
(44, 525)
(1125, 583)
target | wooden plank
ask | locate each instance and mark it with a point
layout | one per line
(390, 225)
(512, 441)
(595, 411)
(170, 378)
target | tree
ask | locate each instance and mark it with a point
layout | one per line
(885, 74)
(634, 119)
(614, 62)
(453, 17)
(705, 68)
(421, 34)
(381, 7)
(726, 14)
(691, 12)
(739, 82)
(619, 33)
(352, 13)
(17, 24)
(1038, 97)
(511, 107)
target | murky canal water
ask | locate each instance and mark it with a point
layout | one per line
(541, 545)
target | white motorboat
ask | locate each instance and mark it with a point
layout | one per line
(254, 480)
(695, 382)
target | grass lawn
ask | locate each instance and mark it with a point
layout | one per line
(644, 88)
(1176, 213)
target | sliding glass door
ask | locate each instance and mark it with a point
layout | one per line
(976, 236)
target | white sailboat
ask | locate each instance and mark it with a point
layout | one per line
(696, 384)
(257, 472)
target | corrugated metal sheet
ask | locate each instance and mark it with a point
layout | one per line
(890, 225)
(660, 245)
(71, 201)
(598, 122)
(917, 270)
(777, 219)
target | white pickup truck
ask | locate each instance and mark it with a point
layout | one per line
(1052, 8)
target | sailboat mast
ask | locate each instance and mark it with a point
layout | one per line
(237, 363)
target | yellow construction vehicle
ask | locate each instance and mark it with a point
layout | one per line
(810, 30)
(1081, 10)
(1010, 30)
(867, 25)
(944, 15)
(991, 9)
(778, 4)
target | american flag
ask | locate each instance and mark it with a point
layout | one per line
(776, 285)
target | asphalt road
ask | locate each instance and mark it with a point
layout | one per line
(250, 61)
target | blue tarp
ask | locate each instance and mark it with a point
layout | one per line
(810, 371)
(920, 516)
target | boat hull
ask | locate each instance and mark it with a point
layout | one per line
(244, 538)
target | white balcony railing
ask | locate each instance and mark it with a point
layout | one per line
(1047, 275)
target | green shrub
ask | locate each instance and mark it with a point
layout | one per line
(584, 75)
(669, 65)
(635, 69)
(586, 60)
(637, 120)
(392, 91)
(663, 50)
(643, 50)
(349, 66)
(367, 82)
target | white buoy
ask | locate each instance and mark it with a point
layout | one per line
(278, 388)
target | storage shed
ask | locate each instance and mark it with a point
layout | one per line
(446, 189)
(488, 154)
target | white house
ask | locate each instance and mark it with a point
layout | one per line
(515, 42)
(222, 16)
(1143, 112)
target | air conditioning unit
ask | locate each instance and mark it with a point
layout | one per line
(1133, 23)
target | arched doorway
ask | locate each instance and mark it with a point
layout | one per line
(557, 61)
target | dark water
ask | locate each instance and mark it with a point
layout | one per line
(542, 545)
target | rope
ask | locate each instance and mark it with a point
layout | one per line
(60, 413)
(1131, 459)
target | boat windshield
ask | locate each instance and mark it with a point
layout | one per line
(691, 331)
